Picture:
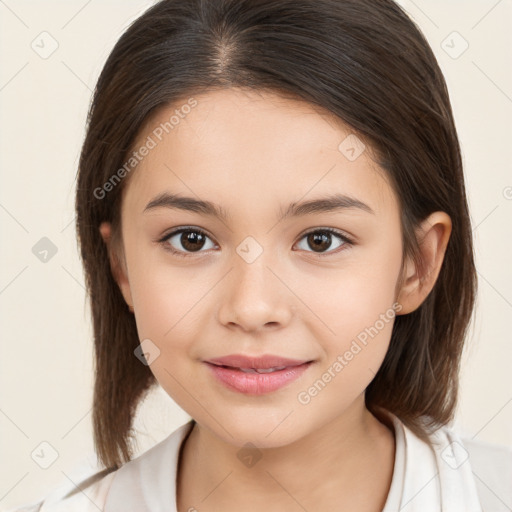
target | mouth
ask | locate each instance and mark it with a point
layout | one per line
(257, 363)
(256, 380)
(255, 370)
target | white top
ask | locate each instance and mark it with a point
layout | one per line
(455, 476)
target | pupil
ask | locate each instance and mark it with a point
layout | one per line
(319, 241)
(192, 241)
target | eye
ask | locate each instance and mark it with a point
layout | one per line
(321, 239)
(184, 241)
(188, 240)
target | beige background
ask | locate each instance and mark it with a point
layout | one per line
(46, 362)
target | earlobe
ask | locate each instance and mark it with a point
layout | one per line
(116, 265)
(433, 236)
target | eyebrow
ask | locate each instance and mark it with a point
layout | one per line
(331, 203)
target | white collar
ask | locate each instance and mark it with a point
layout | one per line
(431, 479)
(424, 479)
(148, 483)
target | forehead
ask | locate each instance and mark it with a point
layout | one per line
(248, 145)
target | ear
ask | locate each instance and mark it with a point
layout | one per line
(117, 265)
(433, 235)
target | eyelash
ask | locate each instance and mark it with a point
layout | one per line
(347, 241)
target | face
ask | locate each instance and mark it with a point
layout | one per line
(265, 276)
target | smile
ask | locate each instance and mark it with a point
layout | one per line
(257, 381)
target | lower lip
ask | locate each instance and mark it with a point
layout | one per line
(257, 383)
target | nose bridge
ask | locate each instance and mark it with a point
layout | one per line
(254, 296)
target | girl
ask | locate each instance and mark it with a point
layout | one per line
(273, 222)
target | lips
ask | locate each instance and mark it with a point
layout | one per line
(256, 375)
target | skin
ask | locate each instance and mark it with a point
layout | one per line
(252, 154)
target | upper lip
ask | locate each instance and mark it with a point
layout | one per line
(261, 362)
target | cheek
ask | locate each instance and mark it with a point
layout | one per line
(352, 295)
(357, 308)
(166, 302)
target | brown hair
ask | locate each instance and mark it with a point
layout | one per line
(364, 61)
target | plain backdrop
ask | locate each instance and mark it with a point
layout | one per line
(52, 53)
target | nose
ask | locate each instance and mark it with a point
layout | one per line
(254, 297)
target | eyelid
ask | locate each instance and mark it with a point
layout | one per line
(180, 229)
(337, 232)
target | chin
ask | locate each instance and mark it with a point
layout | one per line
(262, 429)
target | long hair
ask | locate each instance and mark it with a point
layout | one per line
(364, 61)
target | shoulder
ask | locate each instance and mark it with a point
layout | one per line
(491, 465)
(88, 496)
(152, 473)
(469, 474)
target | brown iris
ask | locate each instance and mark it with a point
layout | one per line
(319, 241)
(192, 240)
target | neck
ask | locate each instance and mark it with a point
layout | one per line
(335, 463)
